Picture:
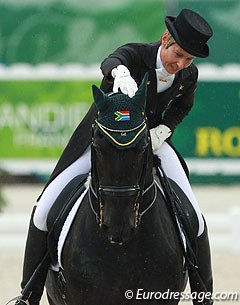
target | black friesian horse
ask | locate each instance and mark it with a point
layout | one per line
(124, 246)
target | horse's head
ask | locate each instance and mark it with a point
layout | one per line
(121, 162)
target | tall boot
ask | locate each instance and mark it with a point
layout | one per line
(35, 251)
(201, 281)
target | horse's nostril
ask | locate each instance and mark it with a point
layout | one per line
(116, 240)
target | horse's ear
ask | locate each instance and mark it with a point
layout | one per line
(141, 94)
(99, 97)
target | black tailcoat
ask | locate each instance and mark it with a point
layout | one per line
(168, 107)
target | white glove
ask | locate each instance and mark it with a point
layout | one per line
(123, 81)
(158, 135)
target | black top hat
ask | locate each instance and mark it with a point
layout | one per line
(190, 31)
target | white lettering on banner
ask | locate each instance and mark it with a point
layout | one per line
(40, 140)
(6, 116)
(44, 118)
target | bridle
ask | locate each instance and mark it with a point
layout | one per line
(98, 191)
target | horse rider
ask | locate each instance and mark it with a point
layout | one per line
(170, 97)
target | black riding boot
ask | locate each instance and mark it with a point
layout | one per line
(201, 281)
(35, 251)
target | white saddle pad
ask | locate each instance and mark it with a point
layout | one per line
(67, 225)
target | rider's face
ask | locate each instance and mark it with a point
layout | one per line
(174, 58)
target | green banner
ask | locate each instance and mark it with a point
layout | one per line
(87, 31)
(212, 129)
(38, 117)
(69, 31)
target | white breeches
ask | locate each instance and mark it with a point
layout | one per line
(81, 166)
(170, 163)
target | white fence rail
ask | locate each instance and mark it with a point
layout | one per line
(224, 231)
(13, 230)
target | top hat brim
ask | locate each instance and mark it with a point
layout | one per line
(170, 26)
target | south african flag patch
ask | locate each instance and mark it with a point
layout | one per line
(122, 115)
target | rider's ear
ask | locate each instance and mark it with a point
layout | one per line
(99, 97)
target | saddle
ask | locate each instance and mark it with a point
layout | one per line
(60, 210)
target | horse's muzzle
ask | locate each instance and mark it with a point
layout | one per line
(118, 236)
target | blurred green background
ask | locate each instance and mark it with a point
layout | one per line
(50, 52)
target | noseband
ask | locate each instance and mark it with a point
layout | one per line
(136, 190)
(124, 191)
